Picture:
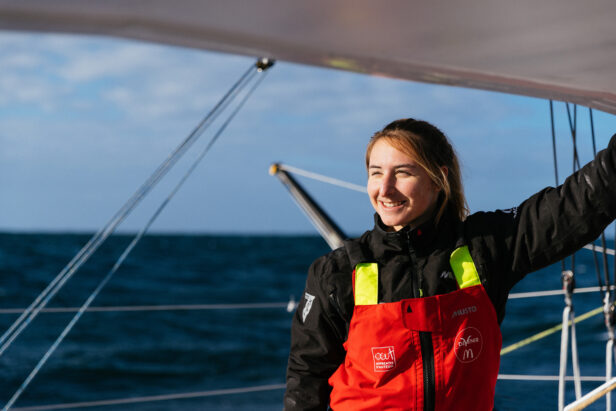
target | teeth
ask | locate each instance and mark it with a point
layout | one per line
(392, 204)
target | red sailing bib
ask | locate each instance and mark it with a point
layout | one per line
(437, 353)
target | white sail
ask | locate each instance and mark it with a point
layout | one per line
(563, 50)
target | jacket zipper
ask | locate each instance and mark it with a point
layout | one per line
(427, 356)
(415, 274)
(425, 338)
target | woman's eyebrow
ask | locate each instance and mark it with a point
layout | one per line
(412, 166)
(405, 165)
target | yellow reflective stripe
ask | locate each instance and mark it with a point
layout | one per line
(366, 283)
(464, 268)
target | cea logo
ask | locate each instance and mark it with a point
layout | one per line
(468, 345)
(384, 358)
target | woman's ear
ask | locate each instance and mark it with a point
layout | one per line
(445, 171)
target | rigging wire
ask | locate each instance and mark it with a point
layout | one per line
(576, 158)
(146, 308)
(592, 131)
(573, 129)
(554, 142)
(246, 306)
(562, 262)
(526, 377)
(548, 293)
(606, 272)
(608, 305)
(568, 281)
(94, 243)
(153, 398)
(259, 69)
(608, 294)
(609, 251)
(244, 390)
(323, 178)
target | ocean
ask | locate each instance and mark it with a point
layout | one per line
(160, 354)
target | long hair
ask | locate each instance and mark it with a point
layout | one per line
(430, 149)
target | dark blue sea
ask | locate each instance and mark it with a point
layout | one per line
(157, 354)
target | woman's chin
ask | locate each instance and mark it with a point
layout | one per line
(393, 223)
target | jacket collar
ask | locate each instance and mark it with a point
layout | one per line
(427, 236)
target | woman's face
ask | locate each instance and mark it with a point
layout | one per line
(400, 190)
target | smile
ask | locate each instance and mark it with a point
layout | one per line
(391, 204)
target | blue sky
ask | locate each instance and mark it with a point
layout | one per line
(84, 120)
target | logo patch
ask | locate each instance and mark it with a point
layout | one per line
(384, 358)
(445, 275)
(307, 306)
(468, 345)
(464, 311)
(513, 210)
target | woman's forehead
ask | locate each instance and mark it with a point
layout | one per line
(383, 152)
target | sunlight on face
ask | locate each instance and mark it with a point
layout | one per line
(400, 190)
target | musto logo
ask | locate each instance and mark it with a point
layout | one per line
(384, 358)
(468, 344)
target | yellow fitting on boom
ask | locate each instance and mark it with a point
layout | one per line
(274, 168)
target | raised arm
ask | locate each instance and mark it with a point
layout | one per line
(553, 223)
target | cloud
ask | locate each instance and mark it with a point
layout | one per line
(85, 119)
(137, 79)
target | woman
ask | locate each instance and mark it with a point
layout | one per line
(407, 316)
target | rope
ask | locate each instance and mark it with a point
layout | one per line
(568, 321)
(109, 275)
(166, 397)
(323, 178)
(547, 332)
(84, 254)
(608, 371)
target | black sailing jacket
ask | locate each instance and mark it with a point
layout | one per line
(505, 246)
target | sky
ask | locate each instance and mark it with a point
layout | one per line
(84, 120)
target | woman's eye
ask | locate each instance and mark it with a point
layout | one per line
(375, 173)
(403, 172)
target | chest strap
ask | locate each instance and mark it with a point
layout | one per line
(366, 276)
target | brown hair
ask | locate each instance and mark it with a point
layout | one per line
(429, 147)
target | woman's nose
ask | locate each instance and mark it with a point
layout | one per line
(388, 185)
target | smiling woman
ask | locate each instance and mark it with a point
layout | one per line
(408, 315)
(400, 190)
(410, 163)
